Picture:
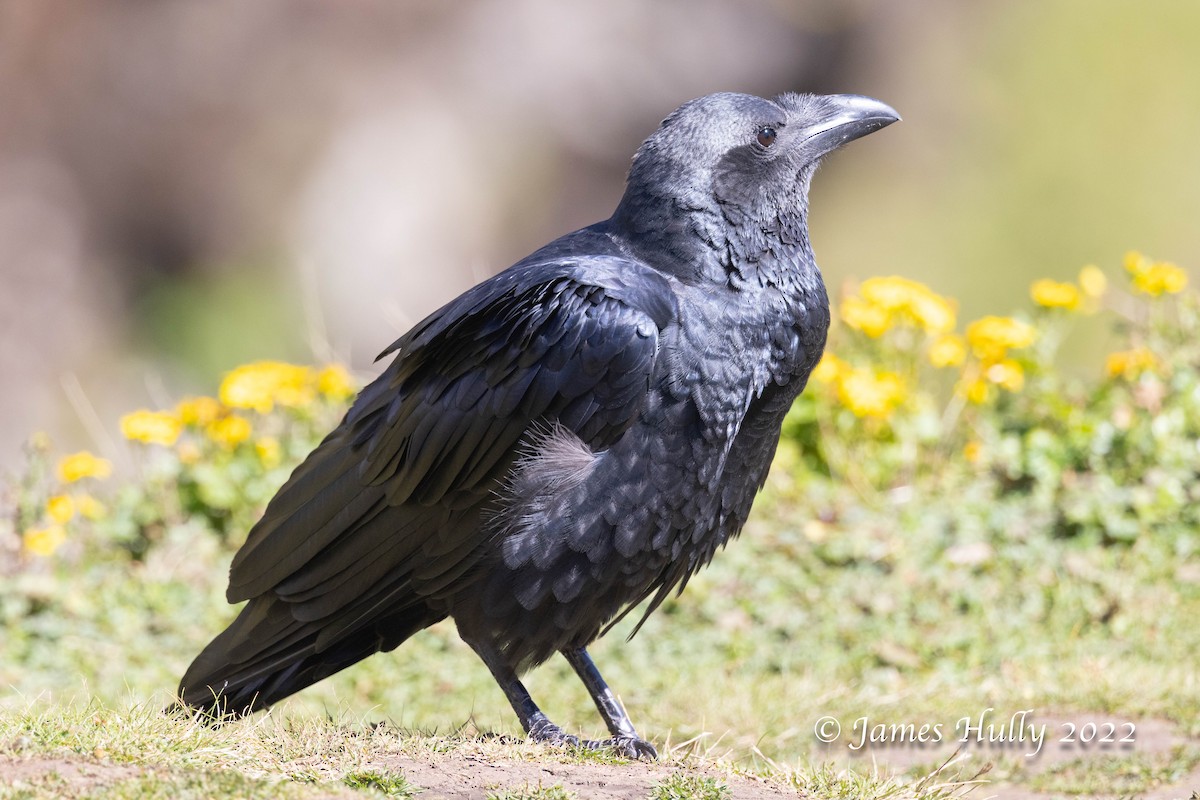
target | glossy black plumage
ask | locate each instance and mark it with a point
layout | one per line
(577, 434)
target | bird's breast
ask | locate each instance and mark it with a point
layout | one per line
(587, 532)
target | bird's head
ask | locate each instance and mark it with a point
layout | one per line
(741, 156)
(746, 150)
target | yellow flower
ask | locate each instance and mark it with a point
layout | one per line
(43, 541)
(1136, 263)
(934, 314)
(151, 427)
(60, 508)
(264, 383)
(198, 411)
(1052, 294)
(828, 369)
(1129, 364)
(1008, 374)
(229, 431)
(1163, 278)
(973, 451)
(909, 301)
(1154, 278)
(78, 466)
(891, 293)
(948, 350)
(976, 390)
(334, 382)
(870, 393)
(1092, 281)
(89, 507)
(992, 337)
(871, 319)
(268, 450)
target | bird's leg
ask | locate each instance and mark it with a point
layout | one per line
(625, 739)
(536, 724)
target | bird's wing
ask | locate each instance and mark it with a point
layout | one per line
(376, 508)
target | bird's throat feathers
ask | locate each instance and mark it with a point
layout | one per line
(701, 238)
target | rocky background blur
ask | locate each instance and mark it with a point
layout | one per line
(186, 186)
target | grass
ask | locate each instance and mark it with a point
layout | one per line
(780, 632)
(791, 624)
(1118, 776)
(873, 609)
(388, 784)
(155, 786)
(136, 751)
(690, 787)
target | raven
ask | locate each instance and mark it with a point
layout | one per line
(571, 437)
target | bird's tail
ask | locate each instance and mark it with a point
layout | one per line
(267, 655)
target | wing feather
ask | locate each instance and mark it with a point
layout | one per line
(386, 512)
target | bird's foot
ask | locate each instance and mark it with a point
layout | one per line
(629, 747)
(545, 731)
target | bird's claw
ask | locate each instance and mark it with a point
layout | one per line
(547, 732)
(629, 747)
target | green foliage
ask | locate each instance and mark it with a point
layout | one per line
(387, 784)
(1001, 516)
(1108, 456)
(80, 575)
(690, 787)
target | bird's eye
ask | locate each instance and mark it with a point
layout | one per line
(766, 136)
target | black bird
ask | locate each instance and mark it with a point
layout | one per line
(575, 435)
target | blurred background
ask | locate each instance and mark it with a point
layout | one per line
(185, 186)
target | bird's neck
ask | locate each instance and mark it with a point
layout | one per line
(770, 248)
(702, 241)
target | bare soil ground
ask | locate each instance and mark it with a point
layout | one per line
(451, 776)
(82, 775)
(456, 777)
(467, 775)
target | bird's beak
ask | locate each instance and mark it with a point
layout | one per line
(850, 117)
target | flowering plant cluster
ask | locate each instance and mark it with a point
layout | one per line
(1103, 442)
(208, 461)
(903, 399)
(949, 495)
